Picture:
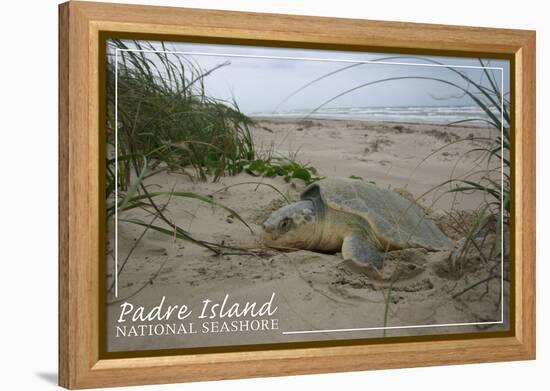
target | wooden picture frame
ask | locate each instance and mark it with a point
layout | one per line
(80, 207)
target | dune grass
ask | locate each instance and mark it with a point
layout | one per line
(165, 121)
(491, 178)
(493, 102)
(161, 118)
(166, 116)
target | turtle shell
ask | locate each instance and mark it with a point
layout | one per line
(389, 216)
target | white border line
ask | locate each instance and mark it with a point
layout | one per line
(340, 61)
(116, 172)
(385, 328)
(191, 53)
(502, 195)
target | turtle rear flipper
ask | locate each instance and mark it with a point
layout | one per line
(358, 248)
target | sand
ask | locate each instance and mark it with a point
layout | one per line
(316, 295)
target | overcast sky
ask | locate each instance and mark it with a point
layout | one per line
(261, 84)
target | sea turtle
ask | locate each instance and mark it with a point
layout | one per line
(358, 218)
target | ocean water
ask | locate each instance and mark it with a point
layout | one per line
(411, 114)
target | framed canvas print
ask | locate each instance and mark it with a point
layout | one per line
(254, 195)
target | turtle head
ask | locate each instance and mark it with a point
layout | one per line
(292, 226)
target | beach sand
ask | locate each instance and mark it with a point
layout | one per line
(316, 294)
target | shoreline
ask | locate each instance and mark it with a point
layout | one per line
(416, 157)
(368, 121)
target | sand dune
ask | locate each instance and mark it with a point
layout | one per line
(314, 291)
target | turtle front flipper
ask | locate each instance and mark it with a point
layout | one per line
(358, 248)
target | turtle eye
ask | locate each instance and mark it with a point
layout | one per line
(285, 224)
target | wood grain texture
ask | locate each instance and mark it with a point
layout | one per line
(291, 28)
(526, 214)
(63, 220)
(79, 184)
